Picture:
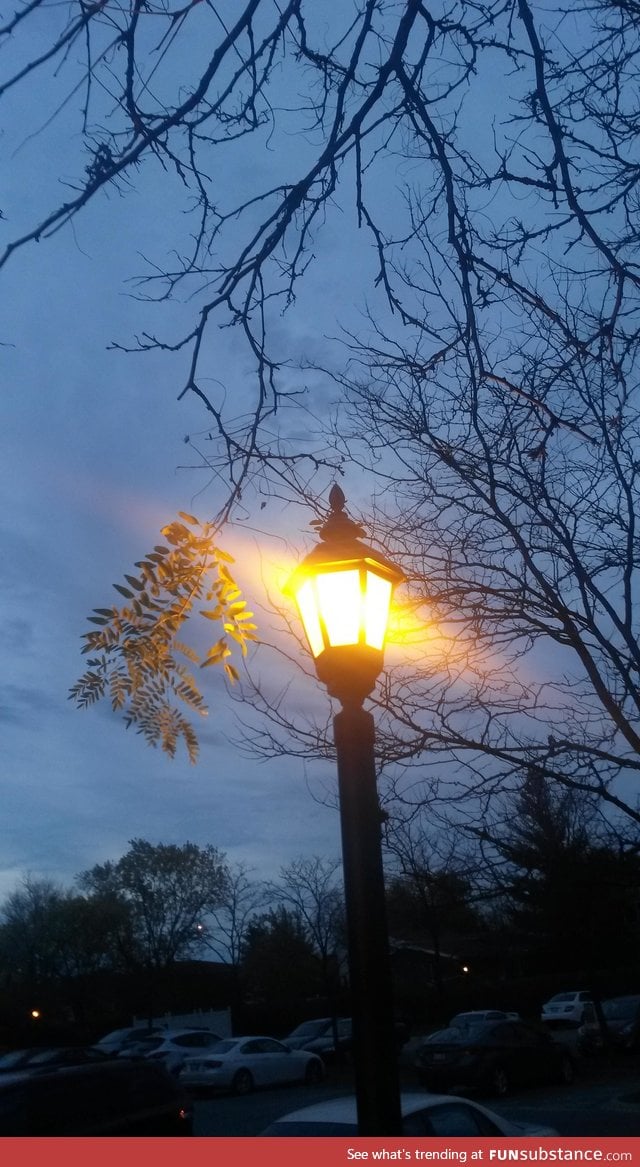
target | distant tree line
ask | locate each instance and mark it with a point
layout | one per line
(545, 892)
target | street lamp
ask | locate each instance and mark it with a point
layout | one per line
(343, 591)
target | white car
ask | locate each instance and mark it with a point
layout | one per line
(172, 1046)
(438, 1115)
(570, 1007)
(243, 1063)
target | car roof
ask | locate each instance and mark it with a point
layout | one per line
(164, 1033)
(254, 1037)
(320, 1021)
(342, 1112)
(343, 1108)
(113, 1067)
(569, 993)
(132, 1031)
(482, 1013)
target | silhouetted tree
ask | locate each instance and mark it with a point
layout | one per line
(223, 931)
(570, 885)
(167, 889)
(312, 890)
(431, 893)
(279, 965)
(48, 932)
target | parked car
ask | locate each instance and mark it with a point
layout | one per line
(120, 1039)
(107, 1097)
(243, 1063)
(621, 1018)
(39, 1058)
(476, 1015)
(491, 1056)
(318, 1036)
(172, 1046)
(441, 1116)
(566, 1008)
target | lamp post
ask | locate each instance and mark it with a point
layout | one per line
(343, 591)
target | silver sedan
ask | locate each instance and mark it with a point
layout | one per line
(243, 1063)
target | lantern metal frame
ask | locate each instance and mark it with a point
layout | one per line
(348, 670)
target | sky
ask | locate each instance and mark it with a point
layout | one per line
(92, 464)
(90, 450)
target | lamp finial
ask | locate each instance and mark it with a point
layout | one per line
(336, 498)
(338, 526)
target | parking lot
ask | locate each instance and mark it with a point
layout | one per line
(604, 1100)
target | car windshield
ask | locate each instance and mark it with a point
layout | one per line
(618, 1010)
(309, 1029)
(147, 1043)
(15, 1058)
(564, 997)
(462, 1034)
(48, 1055)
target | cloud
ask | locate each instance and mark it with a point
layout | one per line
(16, 633)
(24, 706)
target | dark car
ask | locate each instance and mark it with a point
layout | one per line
(319, 1037)
(38, 1058)
(475, 1016)
(491, 1057)
(108, 1097)
(172, 1047)
(118, 1040)
(619, 1026)
(622, 1017)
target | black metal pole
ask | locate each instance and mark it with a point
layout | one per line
(374, 1040)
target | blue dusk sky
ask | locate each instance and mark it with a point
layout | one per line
(92, 463)
(93, 458)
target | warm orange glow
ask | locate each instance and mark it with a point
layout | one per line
(342, 606)
(417, 636)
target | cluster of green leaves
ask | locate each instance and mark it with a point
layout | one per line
(139, 660)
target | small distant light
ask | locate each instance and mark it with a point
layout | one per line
(465, 968)
(35, 1013)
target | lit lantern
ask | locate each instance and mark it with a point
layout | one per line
(343, 590)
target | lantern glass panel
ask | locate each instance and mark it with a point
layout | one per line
(340, 602)
(308, 608)
(376, 609)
